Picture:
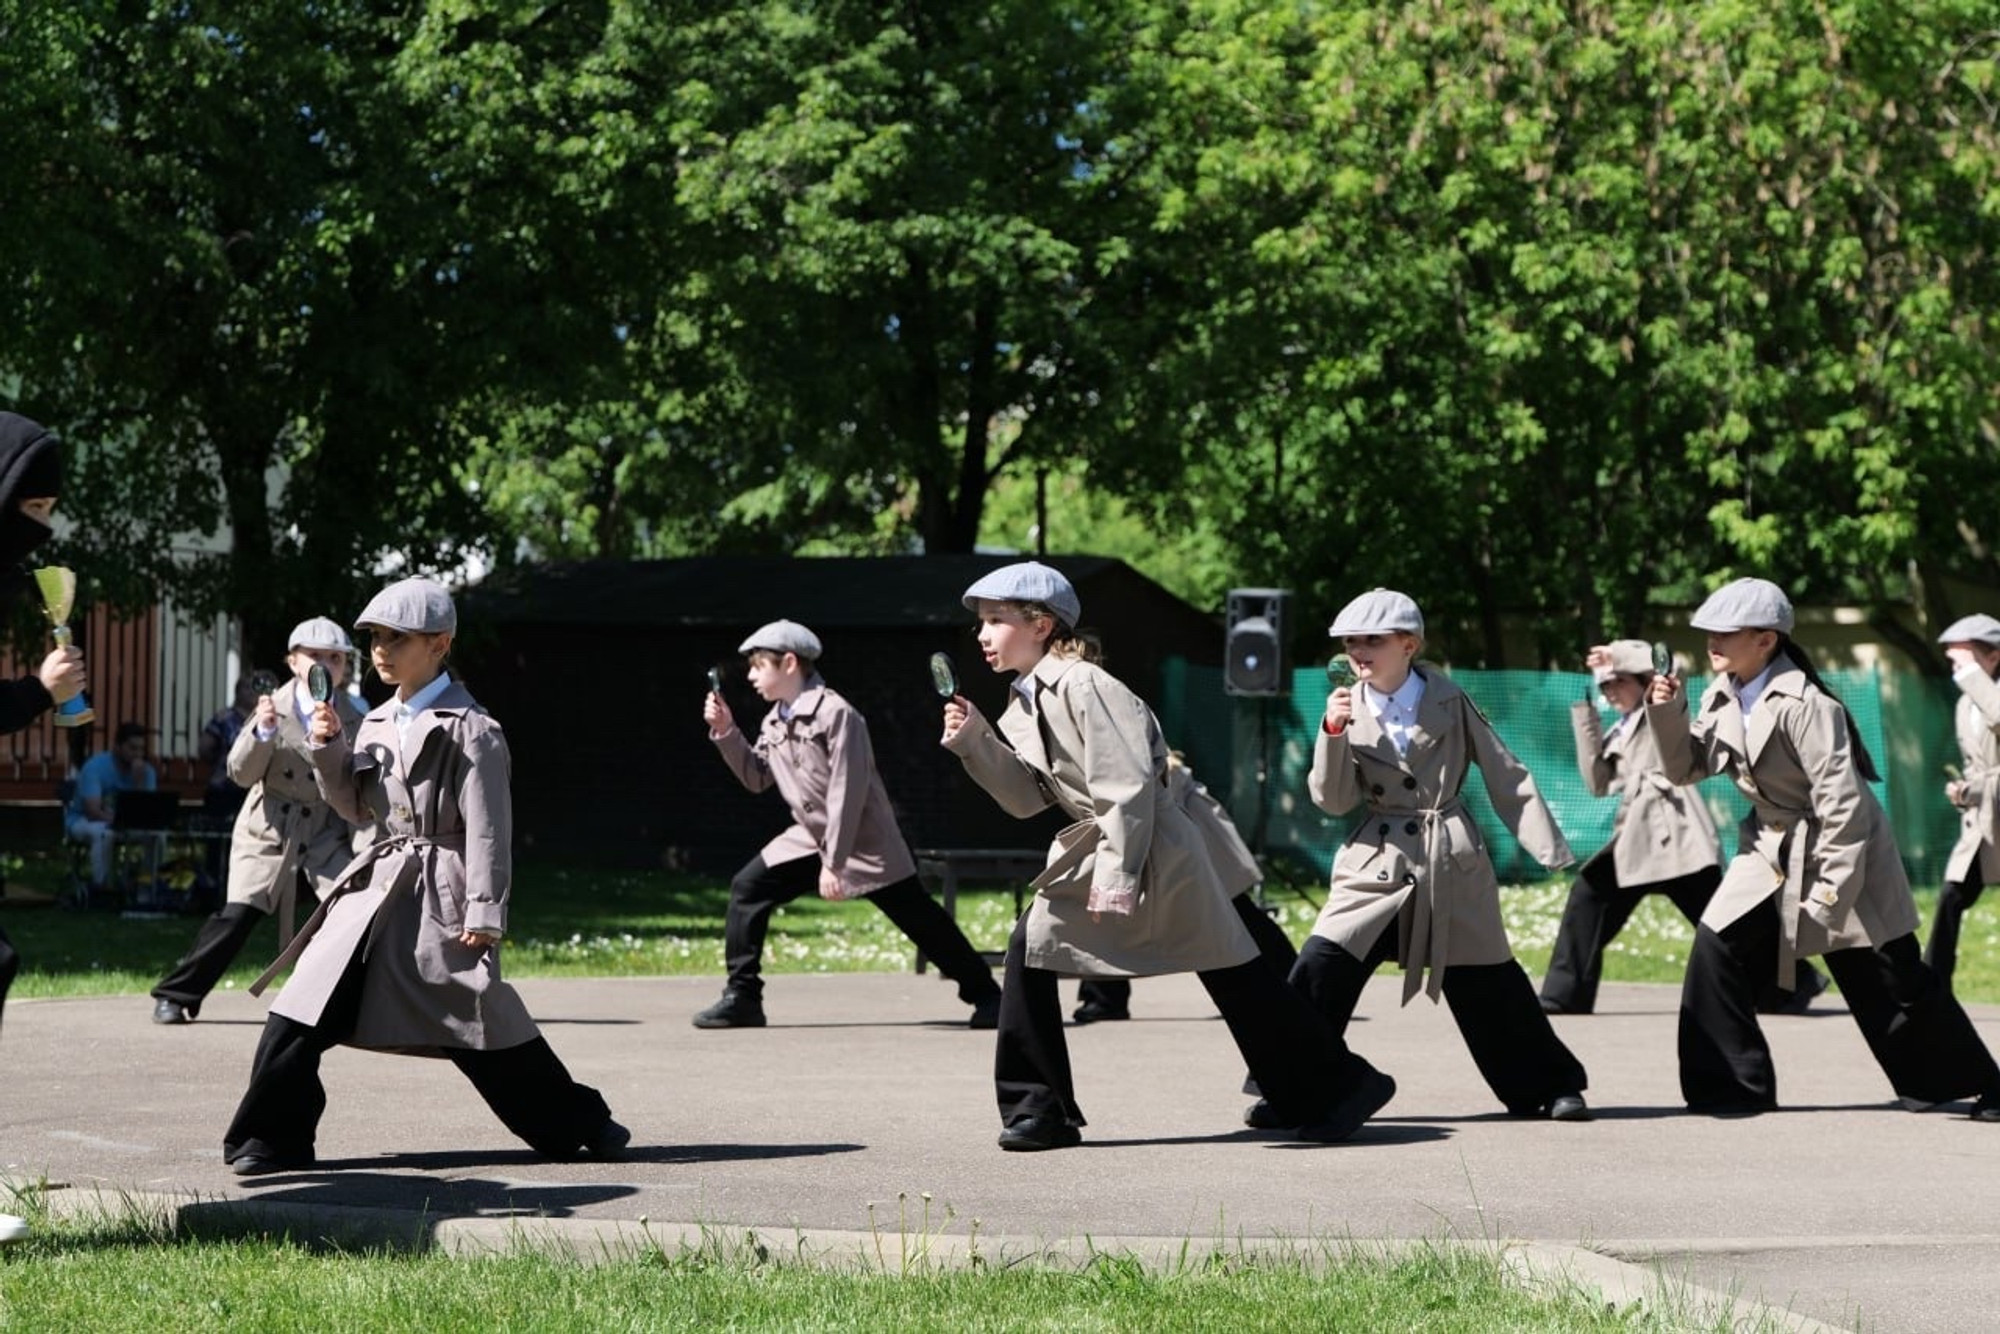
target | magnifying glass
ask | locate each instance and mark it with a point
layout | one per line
(944, 676)
(319, 683)
(1340, 673)
(263, 682)
(715, 680)
(1663, 661)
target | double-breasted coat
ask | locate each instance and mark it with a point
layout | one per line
(820, 760)
(441, 864)
(285, 825)
(1814, 830)
(1416, 859)
(1977, 722)
(1661, 831)
(1088, 745)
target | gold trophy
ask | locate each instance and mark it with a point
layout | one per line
(58, 588)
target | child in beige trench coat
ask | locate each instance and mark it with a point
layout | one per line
(403, 954)
(1129, 890)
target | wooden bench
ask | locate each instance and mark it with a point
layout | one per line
(941, 869)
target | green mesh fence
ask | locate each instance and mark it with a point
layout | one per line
(1255, 754)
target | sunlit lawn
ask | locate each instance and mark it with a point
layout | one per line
(574, 922)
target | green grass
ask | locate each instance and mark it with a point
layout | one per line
(131, 1273)
(570, 922)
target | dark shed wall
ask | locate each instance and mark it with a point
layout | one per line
(597, 673)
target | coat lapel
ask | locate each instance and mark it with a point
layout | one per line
(1763, 720)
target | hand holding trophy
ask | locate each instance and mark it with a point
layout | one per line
(57, 585)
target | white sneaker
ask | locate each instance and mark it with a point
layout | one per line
(12, 1228)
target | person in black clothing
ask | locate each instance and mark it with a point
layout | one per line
(30, 477)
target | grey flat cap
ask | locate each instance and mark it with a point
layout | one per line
(1747, 604)
(415, 606)
(783, 637)
(1379, 611)
(1629, 657)
(320, 632)
(1028, 581)
(1976, 629)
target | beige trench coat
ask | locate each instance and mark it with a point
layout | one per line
(285, 826)
(1814, 829)
(1978, 724)
(1662, 831)
(1416, 859)
(442, 864)
(1092, 747)
(822, 764)
(1231, 857)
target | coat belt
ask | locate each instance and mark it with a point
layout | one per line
(1791, 871)
(373, 853)
(1426, 948)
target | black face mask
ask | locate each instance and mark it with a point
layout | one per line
(20, 536)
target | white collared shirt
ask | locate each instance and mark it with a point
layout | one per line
(1625, 723)
(1749, 692)
(1397, 712)
(406, 710)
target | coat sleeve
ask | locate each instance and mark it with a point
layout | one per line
(850, 778)
(1333, 782)
(22, 701)
(744, 760)
(1598, 771)
(1682, 755)
(1817, 728)
(1983, 696)
(248, 757)
(340, 779)
(1123, 777)
(995, 766)
(1516, 799)
(486, 803)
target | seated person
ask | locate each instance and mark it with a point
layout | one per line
(123, 768)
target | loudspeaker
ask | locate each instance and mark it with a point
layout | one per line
(1254, 642)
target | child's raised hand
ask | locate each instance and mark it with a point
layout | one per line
(266, 717)
(717, 715)
(1340, 709)
(1666, 688)
(958, 711)
(325, 723)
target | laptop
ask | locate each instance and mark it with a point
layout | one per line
(136, 809)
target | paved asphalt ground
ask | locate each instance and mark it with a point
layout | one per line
(866, 1093)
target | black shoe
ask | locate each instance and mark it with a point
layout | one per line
(1261, 1115)
(1091, 1012)
(1799, 999)
(1038, 1133)
(985, 1014)
(608, 1144)
(1986, 1109)
(1557, 1007)
(258, 1165)
(170, 1012)
(1569, 1107)
(736, 1009)
(1352, 1112)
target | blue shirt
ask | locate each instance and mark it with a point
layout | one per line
(101, 779)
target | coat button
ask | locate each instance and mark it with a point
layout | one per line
(1384, 831)
(285, 808)
(1410, 827)
(1376, 789)
(1409, 877)
(288, 773)
(1410, 783)
(1381, 875)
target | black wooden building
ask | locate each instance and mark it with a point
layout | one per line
(597, 671)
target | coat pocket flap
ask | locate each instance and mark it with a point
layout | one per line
(1071, 852)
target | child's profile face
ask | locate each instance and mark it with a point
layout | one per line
(301, 661)
(1741, 653)
(1012, 638)
(774, 676)
(406, 660)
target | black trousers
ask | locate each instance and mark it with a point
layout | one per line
(527, 1087)
(10, 964)
(1919, 1035)
(1272, 942)
(1510, 1038)
(216, 945)
(759, 890)
(1300, 1063)
(1597, 911)
(1958, 895)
